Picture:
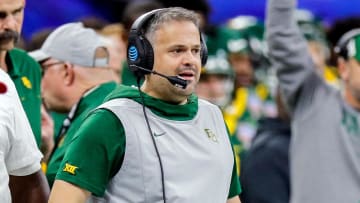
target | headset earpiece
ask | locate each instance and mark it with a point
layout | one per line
(203, 51)
(140, 52)
(341, 46)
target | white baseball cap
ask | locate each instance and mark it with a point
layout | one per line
(73, 43)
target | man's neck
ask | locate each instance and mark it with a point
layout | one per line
(352, 100)
(3, 64)
(173, 100)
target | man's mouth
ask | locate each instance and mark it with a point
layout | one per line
(9, 35)
(188, 75)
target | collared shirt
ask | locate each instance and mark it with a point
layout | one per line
(26, 75)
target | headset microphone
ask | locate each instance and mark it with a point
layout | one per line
(175, 80)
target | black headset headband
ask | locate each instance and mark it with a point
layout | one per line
(138, 25)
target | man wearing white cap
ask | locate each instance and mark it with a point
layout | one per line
(76, 79)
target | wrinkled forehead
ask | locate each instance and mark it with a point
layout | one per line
(11, 5)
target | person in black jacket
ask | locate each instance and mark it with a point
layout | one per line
(265, 169)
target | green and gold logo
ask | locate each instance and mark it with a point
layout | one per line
(211, 135)
(26, 82)
(70, 168)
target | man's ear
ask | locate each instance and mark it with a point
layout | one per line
(343, 69)
(69, 76)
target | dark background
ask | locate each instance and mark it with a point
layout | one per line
(51, 13)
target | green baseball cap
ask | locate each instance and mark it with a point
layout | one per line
(248, 35)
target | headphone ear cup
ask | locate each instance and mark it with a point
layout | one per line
(133, 53)
(148, 57)
(343, 52)
(340, 48)
(140, 53)
(203, 51)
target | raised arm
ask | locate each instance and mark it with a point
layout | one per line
(289, 54)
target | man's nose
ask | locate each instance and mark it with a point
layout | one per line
(9, 22)
(191, 58)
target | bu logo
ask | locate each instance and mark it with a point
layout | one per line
(26, 82)
(70, 168)
(211, 135)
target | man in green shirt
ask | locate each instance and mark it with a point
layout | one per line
(76, 79)
(158, 143)
(22, 69)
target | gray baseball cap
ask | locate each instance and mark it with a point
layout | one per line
(73, 43)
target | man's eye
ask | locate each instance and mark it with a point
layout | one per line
(196, 51)
(3, 15)
(177, 51)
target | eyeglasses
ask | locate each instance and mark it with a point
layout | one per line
(47, 66)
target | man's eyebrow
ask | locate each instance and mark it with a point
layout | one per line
(18, 9)
(177, 46)
(3, 14)
(184, 46)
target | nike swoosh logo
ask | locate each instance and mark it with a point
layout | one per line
(158, 135)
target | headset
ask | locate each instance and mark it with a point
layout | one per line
(341, 46)
(140, 54)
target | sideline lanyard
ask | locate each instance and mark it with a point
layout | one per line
(67, 122)
(65, 126)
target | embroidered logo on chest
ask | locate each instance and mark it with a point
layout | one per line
(26, 82)
(211, 135)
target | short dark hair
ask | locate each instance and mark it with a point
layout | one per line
(135, 9)
(170, 14)
(200, 6)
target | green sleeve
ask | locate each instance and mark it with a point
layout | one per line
(235, 187)
(95, 153)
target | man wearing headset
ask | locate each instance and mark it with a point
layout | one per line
(157, 143)
(325, 152)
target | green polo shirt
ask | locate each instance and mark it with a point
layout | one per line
(87, 103)
(98, 148)
(26, 74)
